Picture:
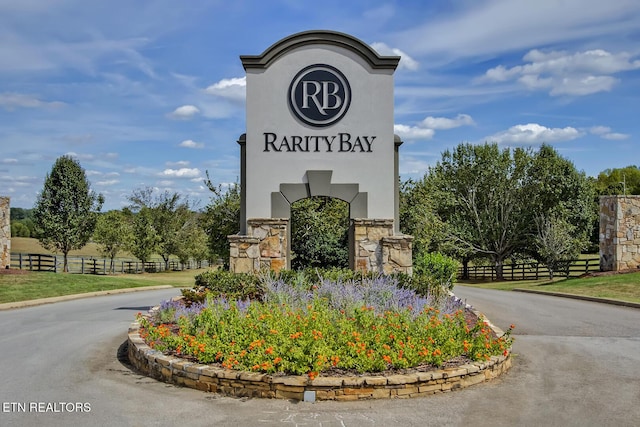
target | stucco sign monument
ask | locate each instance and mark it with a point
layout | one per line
(319, 123)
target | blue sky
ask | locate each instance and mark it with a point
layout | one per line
(151, 92)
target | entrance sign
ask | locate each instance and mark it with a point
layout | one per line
(319, 123)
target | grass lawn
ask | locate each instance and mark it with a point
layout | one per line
(32, 285)
(624, 287)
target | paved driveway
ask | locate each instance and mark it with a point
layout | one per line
(577, 364)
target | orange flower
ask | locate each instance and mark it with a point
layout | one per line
(269, 350)
(387, 358)
(312, 375)
(277, 360)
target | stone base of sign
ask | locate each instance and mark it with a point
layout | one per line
(264, 248)
(619, 233)
(373, 247)
(5, 233)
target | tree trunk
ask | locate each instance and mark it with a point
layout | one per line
(499, 269)
(465, 269)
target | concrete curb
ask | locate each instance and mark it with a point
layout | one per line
(41, 301)
(581, 297)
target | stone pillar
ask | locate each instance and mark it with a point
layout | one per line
(619, 233)
(375, 247)
(5, 233)
(266, 246)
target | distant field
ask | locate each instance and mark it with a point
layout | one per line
(28, 245)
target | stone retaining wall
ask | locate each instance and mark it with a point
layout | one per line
(296, 387)
(5, 233)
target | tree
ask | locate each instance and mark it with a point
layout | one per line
(145, 239)
(557, 243)
(417, 217)
(167, 213)
(477, 192)
(66, 209)
(319, 233)
(625, 181)
(221, 218)
(113, 234)
(192, 241)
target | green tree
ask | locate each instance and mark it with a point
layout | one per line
(168, 215)
(319, 233)
(113, 234)
(557, 243)
(66, 209)
(625, 181)
(145, 238)
(417, 217)
(192, 241)
(477, 191)
(490, 200)
(221, 218)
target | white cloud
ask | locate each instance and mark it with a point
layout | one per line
(13, 101)
(9, 161)
(533, 133)
(191, 144)
(484, 28)
(178, 164)
(562, 73)
(184, 112)
(441, 123)
(605, 132)
(234, 89)
(426, 129)
(108, 182)
(182, 173)
(413, 132)
(405, 60)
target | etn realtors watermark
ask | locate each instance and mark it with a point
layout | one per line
(46, 407)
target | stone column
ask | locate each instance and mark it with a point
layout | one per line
(5, 233)
(375, 247)
(264, 247)
(619, 233)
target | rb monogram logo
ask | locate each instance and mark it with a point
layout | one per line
(319, 95)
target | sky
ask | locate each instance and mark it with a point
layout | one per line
(151, 93)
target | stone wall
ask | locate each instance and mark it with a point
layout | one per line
(5, 233)
(374, 247)
(264, 247)
(619, 233)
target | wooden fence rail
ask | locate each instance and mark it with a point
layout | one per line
(93, 265)
(530, 270)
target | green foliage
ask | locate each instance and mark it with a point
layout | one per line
(489, 199)
(418, 219)
(192, 241)
(434, 274)
(221, 218)
(113, 234)
(145, 238)
(167, 214)
(319, 233)
(557, 243)
(222, 283)
(66, 208)
(625, 181)
(18, 229)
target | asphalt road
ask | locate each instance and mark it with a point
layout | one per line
(576, 364)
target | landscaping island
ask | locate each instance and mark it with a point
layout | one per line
(344, 338)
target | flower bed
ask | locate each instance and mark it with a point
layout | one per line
(325, 330)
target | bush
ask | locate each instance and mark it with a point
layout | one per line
(434, 274)
(222, 283)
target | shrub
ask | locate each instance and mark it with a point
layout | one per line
(222, 283)
(433, 274)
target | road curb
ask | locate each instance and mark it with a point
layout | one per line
(41, 301)
(581, 297)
